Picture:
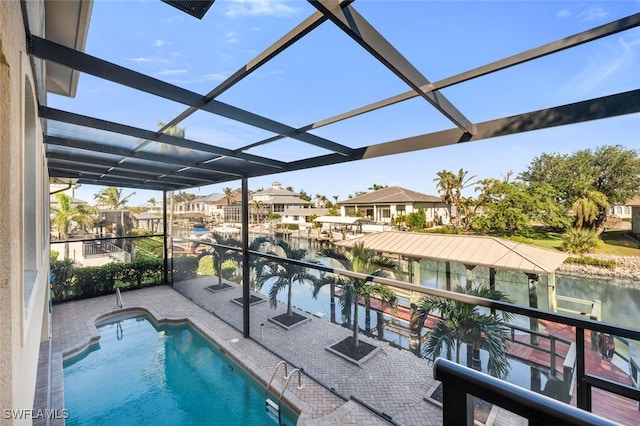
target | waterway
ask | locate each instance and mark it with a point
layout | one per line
(620, 304)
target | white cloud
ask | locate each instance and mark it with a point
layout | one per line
(232, 37)
(592, 14)
(237, 8)
(140, 59)
(603, 65)
(171, 72)
(216, 76)
(564, 13)
(159, 43)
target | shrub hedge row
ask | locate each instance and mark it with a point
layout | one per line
(69, 282)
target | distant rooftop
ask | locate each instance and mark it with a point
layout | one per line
(392, 195)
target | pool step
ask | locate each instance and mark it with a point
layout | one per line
(273, 410)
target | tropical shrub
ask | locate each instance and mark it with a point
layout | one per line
(185, 267)
(229, 269)
(205, 265)
(592, 261)
(578, 241)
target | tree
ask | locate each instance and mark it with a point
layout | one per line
(450, 187)
(506, 206)
(376, 187)
(152, 201)
(112, 198)
(285, 274)
(464, 323)
(416, 221)
(611, 170)
(65, 214)
(228, 195)
(364, 261)
(587, 209)
(257, 206)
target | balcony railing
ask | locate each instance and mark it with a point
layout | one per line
(575, 375)
(460, 384)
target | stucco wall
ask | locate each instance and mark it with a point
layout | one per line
(21, 312)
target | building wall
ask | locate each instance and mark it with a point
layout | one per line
(24, 211)
(635, 219)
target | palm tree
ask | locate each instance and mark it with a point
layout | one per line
(228, 194)
(285, 273)
(152, 201)
(464, 323)
(376, 187)
(65, 214)
(112, 197)
(590, 209)
(257, 206)
(365, 261)
(450, 187)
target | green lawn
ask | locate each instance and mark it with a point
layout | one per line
(613, 242)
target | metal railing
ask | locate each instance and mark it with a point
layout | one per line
(460, 384)
(584, 381)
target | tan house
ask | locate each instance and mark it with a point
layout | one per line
(391, 202)
(277, 199)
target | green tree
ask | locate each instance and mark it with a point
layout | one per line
(257, 207)
(588, 208)
(376, 187)
(507, 207)
(65, 214)
(611, 170)
(416, 221)
(228, 195)
(365, 261)
(112, 198)
(152, 201)
(465, 323)
(450, 186)
(285, 274)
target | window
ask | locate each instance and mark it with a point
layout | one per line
(31, 158)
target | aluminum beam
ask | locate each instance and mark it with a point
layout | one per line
(605, 30)
(48, 50)
(163, 159)
(302, 29)
(356, 27)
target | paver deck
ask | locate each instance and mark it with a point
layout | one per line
(393, 381)
(74, 329)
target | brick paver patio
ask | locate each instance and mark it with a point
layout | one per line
(393, 381)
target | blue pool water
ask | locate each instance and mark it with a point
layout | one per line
(141, 374)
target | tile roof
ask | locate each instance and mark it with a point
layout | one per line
(391, 195)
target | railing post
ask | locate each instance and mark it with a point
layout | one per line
(582, 387)
(457, 407)
(552, 353)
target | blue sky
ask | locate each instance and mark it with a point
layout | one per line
(326, 73)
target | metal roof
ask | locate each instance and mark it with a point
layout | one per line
(470, 250)
(340, 220)
(102, 152)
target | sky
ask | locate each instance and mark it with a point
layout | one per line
(327, 73)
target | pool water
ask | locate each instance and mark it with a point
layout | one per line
(141, 374)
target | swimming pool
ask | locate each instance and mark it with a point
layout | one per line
(168, 375)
